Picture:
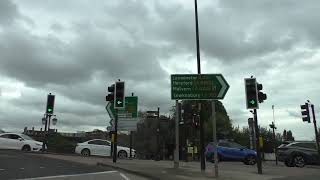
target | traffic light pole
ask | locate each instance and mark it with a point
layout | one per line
(202, 158)
(214, 129)
(315, 129)
(259, 165)
(176, 151)
(115, 154)
(274, 144)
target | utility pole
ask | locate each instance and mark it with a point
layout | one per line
(273, 127)
(158, 135)
(274, 136)
(202, 158)
(259, 165)
(315, 129)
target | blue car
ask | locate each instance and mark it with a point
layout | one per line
(231, 151)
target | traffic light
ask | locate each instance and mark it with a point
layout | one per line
(261, 96)
(110, 96)
(251, 93)
(50, 104)
(272, 126)
(305, 112)
(119, 102)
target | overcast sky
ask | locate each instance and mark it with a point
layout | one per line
(76, 48)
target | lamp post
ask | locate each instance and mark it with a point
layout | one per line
(46, 121)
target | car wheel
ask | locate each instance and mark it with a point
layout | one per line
(299, 161)
(288, 163)
(26, 148)
(85, 152)
(250, 160)
(122, 154)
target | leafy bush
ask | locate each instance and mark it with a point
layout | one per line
(60, 144)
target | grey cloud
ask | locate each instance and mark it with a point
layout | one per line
(8, 12)
(294, 114)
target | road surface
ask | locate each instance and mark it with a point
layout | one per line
(20, 165)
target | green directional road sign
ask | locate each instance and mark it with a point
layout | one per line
(131, 107)
(198, 86)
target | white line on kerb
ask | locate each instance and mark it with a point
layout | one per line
(124, 176)
(73, 175)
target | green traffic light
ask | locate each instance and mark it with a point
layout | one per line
(252, 101)
(49, 110)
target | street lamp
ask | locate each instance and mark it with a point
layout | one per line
(54, 120)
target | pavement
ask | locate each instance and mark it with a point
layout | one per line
(20, 165)
(159, 170)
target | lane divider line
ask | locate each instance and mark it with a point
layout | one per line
(124, 176)
(72, 175)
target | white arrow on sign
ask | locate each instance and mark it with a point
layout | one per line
(224, 85)
(119, 102)
(108, 108)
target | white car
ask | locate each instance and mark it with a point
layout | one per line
(100, 147)
(19, 142)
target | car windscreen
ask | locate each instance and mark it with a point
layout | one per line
(26, 137)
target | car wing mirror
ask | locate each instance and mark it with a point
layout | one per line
(20, 139)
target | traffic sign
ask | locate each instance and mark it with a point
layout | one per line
(131, 107)
(127, 124)
(198, 86)
(111, 112)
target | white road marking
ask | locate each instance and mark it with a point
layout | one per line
(41, 167)
(2, 169)
(124, 176)
(22, 168)
(73, 175)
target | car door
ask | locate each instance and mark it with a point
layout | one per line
(15, 141)
(224, 150)
(237, 151)
(106, 150)
(94, 147)
(4, 138)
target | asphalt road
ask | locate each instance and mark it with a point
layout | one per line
(19, 165)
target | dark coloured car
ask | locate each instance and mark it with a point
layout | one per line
(299, 154)
(231, 151)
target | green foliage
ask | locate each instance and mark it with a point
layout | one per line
(60, 144)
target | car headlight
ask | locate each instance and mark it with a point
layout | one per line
(38, 144)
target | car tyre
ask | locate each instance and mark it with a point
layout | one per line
(122, 154)
(288, 163)
(26, 148)
(298, 161)
(85, 152)
(250, 160)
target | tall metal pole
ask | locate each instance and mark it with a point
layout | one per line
(197, 36)
(315, 129)
(131, 137)
(158, 135)
(44, 134)
(215, 143)
(274, 136)
(115, 154)
(202, 158)
(131, 143)
(176, 151)
(259, 165)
